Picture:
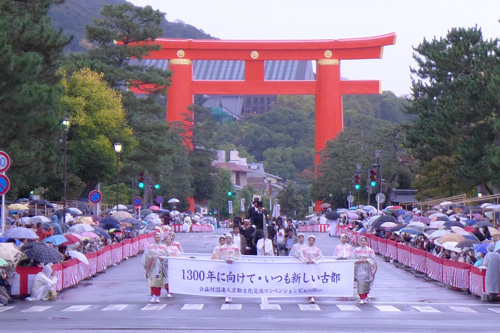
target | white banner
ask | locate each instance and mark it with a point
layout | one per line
(260, 279)
(242, 204)
(230, 207)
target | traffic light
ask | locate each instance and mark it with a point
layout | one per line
(157, 186)
(230, 194)
(373, 177)
(140, 180)
(357, 181)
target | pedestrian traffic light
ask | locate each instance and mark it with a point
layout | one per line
(373, 177)
(357, 181)
(157, 186)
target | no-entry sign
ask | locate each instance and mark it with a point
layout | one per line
(95, 197)
(159, 199)
(4, 161)
(4, 184)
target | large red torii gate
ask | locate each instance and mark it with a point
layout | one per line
(328, 86)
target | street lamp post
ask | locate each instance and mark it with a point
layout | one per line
(65, 123)
(118, 149)
(378, 154)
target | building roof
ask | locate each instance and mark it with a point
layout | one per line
(403, 196)
(232, 167)
(280, 70)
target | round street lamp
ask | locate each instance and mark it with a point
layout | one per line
(118, 149)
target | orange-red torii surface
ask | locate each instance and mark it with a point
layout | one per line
(328, 86)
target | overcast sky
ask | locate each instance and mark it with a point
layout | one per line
(332, 19)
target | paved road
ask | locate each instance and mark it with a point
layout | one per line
(118, 300)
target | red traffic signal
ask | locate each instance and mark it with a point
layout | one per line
(141, 177)
(373, 174)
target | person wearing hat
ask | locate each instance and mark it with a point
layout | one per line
(229, 252)
(216, 251)
(344, 249)
(311, 254)
(153, 262)
(259, 217)
(364, 269)
(247, 231)
(297, 247)
(253, 208)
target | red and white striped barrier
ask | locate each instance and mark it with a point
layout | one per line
(404, 254)
(417, 260)
(201, 228)
(391, 250)
(434, 267)
(176, 227)
(477, 278)
(70, 272)
(313, 228)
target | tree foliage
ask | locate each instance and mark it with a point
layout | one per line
(456, 98)
(30, 53)
(97, 122)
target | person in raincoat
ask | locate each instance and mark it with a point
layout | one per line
(311, 254)
(154, 261)
(229, 252)
(43, 288)
(344, 249)
(492, 280)
(55, 226)
(364, 269)
(297, 247)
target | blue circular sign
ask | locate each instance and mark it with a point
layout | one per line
(159, 199)
(95, 197)
(137, 202)
(4, 184)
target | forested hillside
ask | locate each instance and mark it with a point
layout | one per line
(73, 15)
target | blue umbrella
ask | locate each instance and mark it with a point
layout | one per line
(56, 240)
(411, 231)
(471, 221)
(4, 240)
(497, 246)
(481, 247)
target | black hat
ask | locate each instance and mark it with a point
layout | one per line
(255, 200)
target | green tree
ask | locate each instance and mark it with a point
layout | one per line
(97, 122)
(455, 96)
(293, 200)
(220, 197)
(30, 54)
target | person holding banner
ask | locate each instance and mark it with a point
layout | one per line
(229, 252)
(176, 244)
(297, 247)
(263, 244)
(154, 261)
(311, 254)
(344, 249)
(364, 269)
(173, 251)
(216, 251)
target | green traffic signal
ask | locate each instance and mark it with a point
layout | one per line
(357, 186)
(157, 186)
(230, 193)
(141, 185)
(373, 183)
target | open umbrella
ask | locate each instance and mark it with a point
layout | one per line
(467, 244)
(41, 202)
(81, 206)
(411, 231)
(20, 232)
(79, 228)
(352, 215)
(5, 239)
(331, 215)
(155, 208)
(9, 252)
(388, 224)
(383, 218)
(450, 224)
(437, 234)
(493, 231)
(417, 225)
(17, 206)
(324, 205)
(78, 255)
(145, 212)
(459, 230)
(85, 220)
(3, 263)
(72, 239)
(39, 218)
(121, 215)
(74, 211)
(56, 240)
(173, 200)
(450, 238)
(472, 210)
(452, 246)
(90, 234)
(481, 247)
(120, 207)
(101, 232)
(44, 254)
(109, 223)
(481, 224)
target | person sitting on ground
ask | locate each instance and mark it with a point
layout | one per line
(43, 288)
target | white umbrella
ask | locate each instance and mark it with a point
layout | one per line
(173, 200)
(120, 207)
(20, 232)
(78, 255)
(438, 233)
(437, 215)
(416, 225)
(79, 228)
(436, 224)
(452, 246)
(388, 224)
(39, 218)
(459, 230)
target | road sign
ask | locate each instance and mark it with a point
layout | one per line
(350, 198)
(4, 161)
(4, 184)
(137, 202)
(159, 199)
(380, 197)
(95, 197)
